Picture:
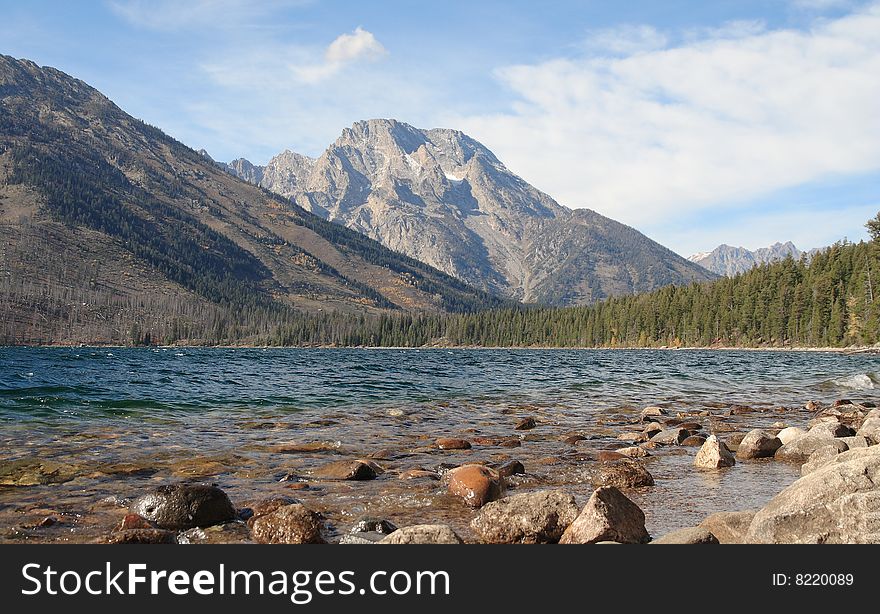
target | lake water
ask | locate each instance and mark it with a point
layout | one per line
(118, 421)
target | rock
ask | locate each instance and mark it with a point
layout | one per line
(475, 484)
(526, 424)
(729, 527)
(609, 455)
(572, 439)
(690, 535)
(513, 467)
(527, 518)
(363, 538)
(229, 533)
(374, 525)
(142, 536)
(252, 511)
(451, 443)
(634, 452)
(418, 474)
(623, 473)
(607, 516)
(714, 454)
(652, 429)
(694, 441)
(510, 442)
(778, 425)
(184, 506)
(649, 413)
(35, 472)
(690, 426)
(870, 428)
(855, 442)
(831, 429)
(836, 504)
(423, 534)
(358, 469)
(757, 444)
(48, 521)
(811, 406)
(291, 524)
(820, 457)
(799, 450)
(790, 434)
(133, 521)
(841, 402)
(632, 437)
(671, 437)
(293, 447)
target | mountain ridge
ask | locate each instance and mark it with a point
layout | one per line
(727, 260)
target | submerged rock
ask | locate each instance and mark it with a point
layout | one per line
(694, 441)
(142, 536)
(729, 527)
(714, 454)
(453, 443)
(652, 412)
(358, 469)
(374, 525)
(622, 473)
(291, 524)
(475, 484)
(528, 518)
(758, 444)
(690, 535)
(254, 510)
(235, 532)
(35, 472)
(838, 503)
(608, 516)
(423, 534)
(525, 424)
(184, 506)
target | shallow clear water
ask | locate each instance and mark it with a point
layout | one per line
(127, 419)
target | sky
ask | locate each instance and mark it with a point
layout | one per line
(697, 122)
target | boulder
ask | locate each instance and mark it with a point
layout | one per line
(652, 429)
(838, 503)
(632, 437)
(417, 474)
(475, 484)
(694, 441)
(142, 536)
(608, 516)
(183, 506)
(790, 434)
(423, 534)
(254, 510)
(652, 412)
(831, 429)
(870, 428)
(714, 454)
(758, 444)
(512, 467)
(622, 473)
(358, 469)
(671, 436)
(820, 457)
(453, 443)
(528, 518)
(799, 450)
(291, 524)
(366, 538)
(374, 525)
(690, 535)
(729, 527)
(855, 442)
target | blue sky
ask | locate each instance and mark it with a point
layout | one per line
(696, 122)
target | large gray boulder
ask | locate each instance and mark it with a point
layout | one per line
(528, 518)
(689, 535)
(729, 527)
(838, 503)
(870, 428)
(423, 534)
(714, 454)
(800, 450)
(184, 506)
(758, 444)
(608, 516)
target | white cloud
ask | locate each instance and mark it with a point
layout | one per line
(346, 49)
(684, 128)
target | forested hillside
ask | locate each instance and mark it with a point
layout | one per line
(832, 301)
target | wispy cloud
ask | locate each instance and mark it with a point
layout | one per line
(696, 124)
(346, 49)
(174, 15)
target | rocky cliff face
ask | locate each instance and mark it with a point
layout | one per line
(730, 261)
(443, 198)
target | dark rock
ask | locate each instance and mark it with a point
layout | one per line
(373, 525)
(671, 437)
(608, 516)
(358, 469)
(513, 467)
(291, 524)
(235, 532)
(528, 518)
(694, 441)
(526, 424)
(142, 536)
(184, 506)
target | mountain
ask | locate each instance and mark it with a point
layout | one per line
(112, 231)
(443, 198)
(729, 261)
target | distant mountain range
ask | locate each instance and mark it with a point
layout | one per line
(109, 228)
(729, 261)
(443, 198)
